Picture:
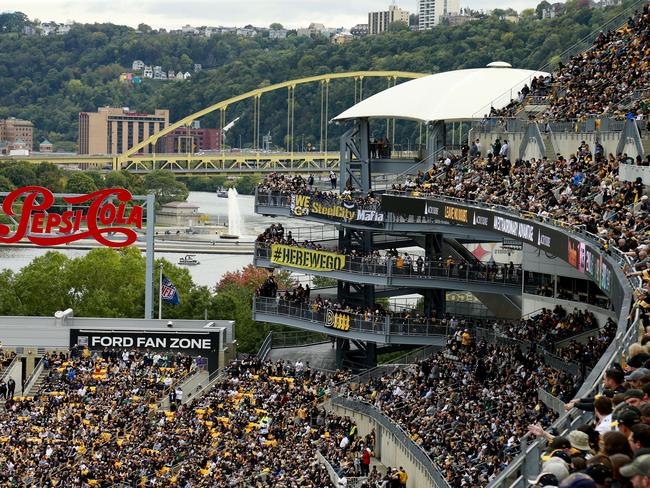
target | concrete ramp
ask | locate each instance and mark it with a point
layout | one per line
(319, 356)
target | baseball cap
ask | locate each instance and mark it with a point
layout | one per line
(545, 479)
(556, 466)
(640, 465)
(578, 480)
(638, 360)
(599, 472)
(628, 416)
(637, 374)
(634, 393)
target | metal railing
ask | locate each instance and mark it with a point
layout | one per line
(297, 338)
(390, 267)
(350, 482)
(265, 348)
(313, 233)
(380, 325)
(33, 378)
(552, 402)
(416, 453)
(8, 368)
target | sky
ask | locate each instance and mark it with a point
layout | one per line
(176, 13)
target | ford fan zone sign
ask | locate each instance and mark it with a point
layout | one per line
(106, 212)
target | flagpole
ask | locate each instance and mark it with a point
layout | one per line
(160, 294)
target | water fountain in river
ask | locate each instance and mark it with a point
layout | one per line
(234, 216)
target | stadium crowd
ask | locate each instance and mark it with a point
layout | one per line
(88, 421)
(468, 406)
(549, 326)
(598, 81)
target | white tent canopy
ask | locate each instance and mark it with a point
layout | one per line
(451, 96)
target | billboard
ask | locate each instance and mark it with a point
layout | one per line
(205, 344)
(109, 211)
(311, 259)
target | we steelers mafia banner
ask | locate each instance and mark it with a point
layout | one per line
(303, 205)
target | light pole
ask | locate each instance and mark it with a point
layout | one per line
(160, 278)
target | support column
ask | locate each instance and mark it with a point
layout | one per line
(364, 154)
(149, 259)
(437, 139)
(434, 299)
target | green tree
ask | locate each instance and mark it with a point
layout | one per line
(50, 176)
(42, 287)
(541, 6)
(6, 184)
(164, 184)
(276, 26)
(116, 179)
(9, 302)
(246, 184)
(107, 283)
(80, 183)
(20, 174)
(13, 21)
(398, 26)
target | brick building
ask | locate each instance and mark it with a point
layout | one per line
(12, 130)
(114, 130)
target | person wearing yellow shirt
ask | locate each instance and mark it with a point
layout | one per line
(466, 338)
(403, 477)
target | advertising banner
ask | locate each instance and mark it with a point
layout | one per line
(205, 344)
(337, 320)
(582, 256)
(301, 205)
(311, 259)
(107, 212)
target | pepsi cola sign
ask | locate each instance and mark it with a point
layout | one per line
(105, 212)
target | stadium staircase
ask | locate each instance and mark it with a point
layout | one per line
(190, 386)
(35, 381)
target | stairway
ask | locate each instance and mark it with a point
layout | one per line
(548, 144)
(645, 143)
(35, 387)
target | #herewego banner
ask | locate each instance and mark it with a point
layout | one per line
(106, 212)
(306, 258)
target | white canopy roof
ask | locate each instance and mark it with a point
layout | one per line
(454, 95)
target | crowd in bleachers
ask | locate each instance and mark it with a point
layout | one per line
(614, 449)
(469, 406)
(598, 81)
(549, 326)
(89, 420)
(588, 352)
(578, 191)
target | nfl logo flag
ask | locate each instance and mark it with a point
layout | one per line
(168, 292)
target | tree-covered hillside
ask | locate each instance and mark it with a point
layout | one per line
(50, 79)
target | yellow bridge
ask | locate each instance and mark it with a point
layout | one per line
(237, 162)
